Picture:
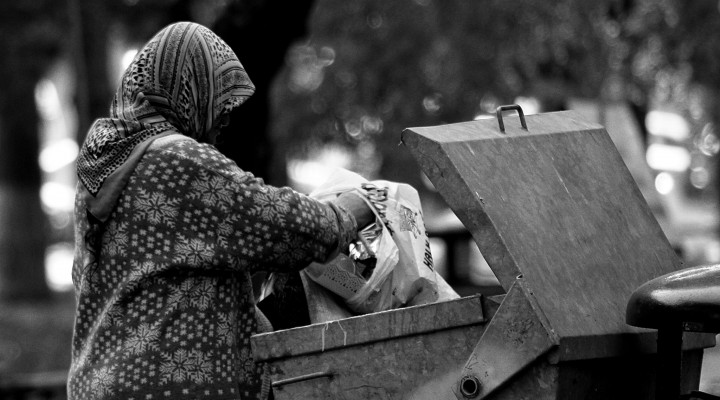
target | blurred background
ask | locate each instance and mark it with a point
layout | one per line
(337, 83)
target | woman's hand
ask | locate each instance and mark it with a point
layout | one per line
(358, 207)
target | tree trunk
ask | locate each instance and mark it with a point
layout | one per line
(90, 50)
(22, 222)
(30, 36)
(252, 32)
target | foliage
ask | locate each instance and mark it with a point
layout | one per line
(371, 68)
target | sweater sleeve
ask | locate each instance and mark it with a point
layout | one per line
(278, 229)
(221, 217)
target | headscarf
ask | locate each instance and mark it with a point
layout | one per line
(182, 81)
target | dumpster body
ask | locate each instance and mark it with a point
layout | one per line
(560, 221)
(410, 353)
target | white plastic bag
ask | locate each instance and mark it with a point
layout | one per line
(414, 277)
(403, 274)
(344, 275)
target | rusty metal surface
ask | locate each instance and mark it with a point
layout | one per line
(515, 337)
(368, 328)
(415, 365)
(557, 205)
(539, 381)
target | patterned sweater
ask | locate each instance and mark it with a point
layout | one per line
(167, 309)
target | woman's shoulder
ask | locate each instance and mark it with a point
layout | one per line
(186, 154)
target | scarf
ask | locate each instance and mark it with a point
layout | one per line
(182, 81)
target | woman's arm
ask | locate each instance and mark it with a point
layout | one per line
(234, 220)
(279, 229)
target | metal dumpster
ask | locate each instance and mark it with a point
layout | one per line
(411, 353)
(560, 221)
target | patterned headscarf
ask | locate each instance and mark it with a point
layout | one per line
(182, 81)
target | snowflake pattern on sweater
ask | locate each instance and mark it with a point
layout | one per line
(167, 310)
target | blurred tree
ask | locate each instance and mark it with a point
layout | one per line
(30, 36)
(260, 33)
(371, 68)
(666, 55)
(90, 55)
(689, 76)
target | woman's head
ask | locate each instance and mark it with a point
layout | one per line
(185, 76)
(185, 79)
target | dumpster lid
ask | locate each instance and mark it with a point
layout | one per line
(553, 203)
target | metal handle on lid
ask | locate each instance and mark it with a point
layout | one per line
(510, 107)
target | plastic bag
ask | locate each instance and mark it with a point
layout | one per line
(415, 280)
(347, 276)
(402, 273)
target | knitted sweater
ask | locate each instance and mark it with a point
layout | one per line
(165, 307)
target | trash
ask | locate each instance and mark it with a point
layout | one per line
(391, 264)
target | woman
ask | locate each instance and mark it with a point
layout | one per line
(169, 231)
